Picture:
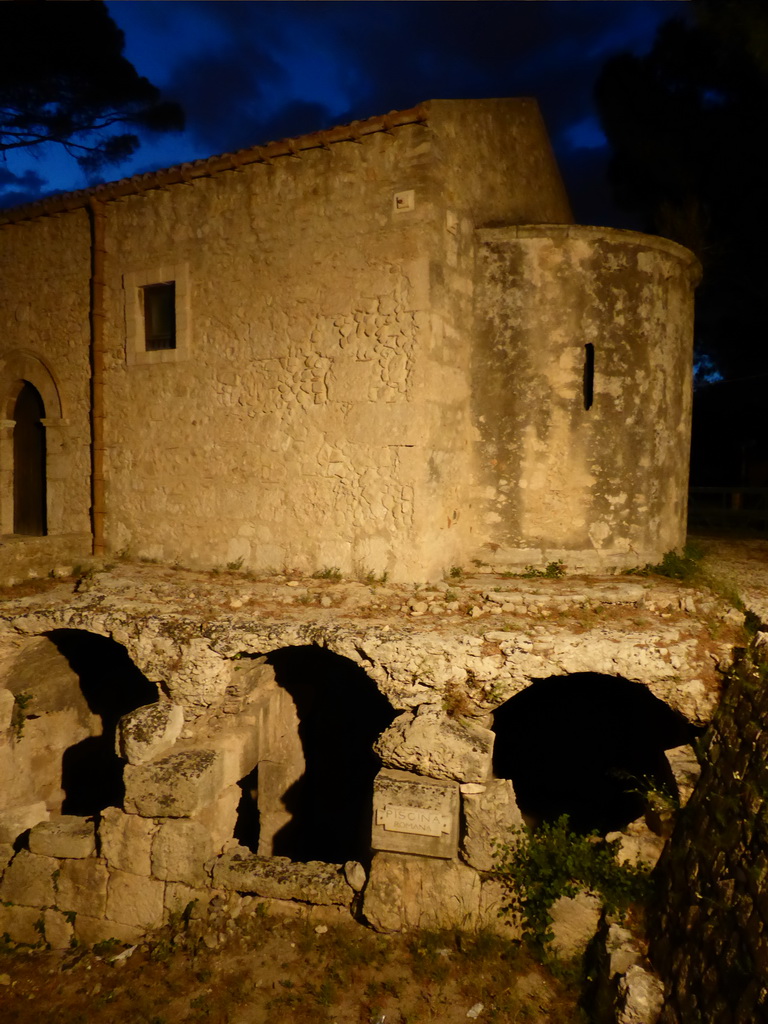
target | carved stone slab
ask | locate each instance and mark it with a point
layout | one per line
(415, 814)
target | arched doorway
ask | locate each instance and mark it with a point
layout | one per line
(588, 746)
(29, 464)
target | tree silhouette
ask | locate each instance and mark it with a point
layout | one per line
(688, 124)
(64, 80)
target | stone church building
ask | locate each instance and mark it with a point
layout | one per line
(384, 347)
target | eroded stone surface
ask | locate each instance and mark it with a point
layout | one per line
(82, 887)
(180, 852)
(401, 893)
(641, 997)
(686, 770)
(29, 880)
(433, 744)
(176, 786)
(135, 900)
(280, 878)
(64, 836)
(574, 923)
(490, 813)
(16, 820)
(126, 840)
(148, 732)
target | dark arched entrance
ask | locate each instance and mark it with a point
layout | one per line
(112, 685)
(339, 714)
(29, 490)
(588, 746)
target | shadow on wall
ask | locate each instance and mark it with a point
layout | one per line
(589, 746)
(91, 771)
(340, 714)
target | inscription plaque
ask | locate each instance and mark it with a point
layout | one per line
(415, 814)
(416, 821)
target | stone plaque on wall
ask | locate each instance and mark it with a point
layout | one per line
(414, 814)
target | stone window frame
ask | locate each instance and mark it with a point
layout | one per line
(135, 342)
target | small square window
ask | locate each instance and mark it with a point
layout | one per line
(159, 316)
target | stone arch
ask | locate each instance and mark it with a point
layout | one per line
(586, 745)
(70, 688)
(313, 785)
(19, 366)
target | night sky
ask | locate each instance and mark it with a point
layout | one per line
(247, 73)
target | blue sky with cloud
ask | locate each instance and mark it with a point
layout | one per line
(249, 72)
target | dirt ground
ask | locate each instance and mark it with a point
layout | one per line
(272, 969)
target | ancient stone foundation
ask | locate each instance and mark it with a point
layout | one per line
(169, 736)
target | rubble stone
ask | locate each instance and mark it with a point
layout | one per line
(21, 924)
(433, 744)
(149, 731)
(82, 886)
(28, 880)
(57, 929)
(175, 786)
(641, 997)
(135, 900)
(180, 850)
(280, 878)
(575, 920)
(126, 840)
(65, 836)
(489, 814)
(402, 892)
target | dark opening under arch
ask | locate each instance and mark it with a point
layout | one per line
(340, 715)
(586, 745)
(29, 459)
(112, 685)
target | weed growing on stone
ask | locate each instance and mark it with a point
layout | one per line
(371, 578)
(330, 572)
(18, 718)
(536, 868)
(236, 564)
(674, 565)
(456, 702)
(456, 572)
(552, 571)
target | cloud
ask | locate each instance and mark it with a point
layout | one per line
(16, 189)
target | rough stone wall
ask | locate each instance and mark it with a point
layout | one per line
(587, 464)
(711, 941)
(45, 270)
(340, 359)
(205, 641)
(326, 378)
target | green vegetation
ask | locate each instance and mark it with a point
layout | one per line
(236, 564)
(371, 578)
(552, 571)
(674, 565)
(330, 572)
(537, 867)
(20, 702)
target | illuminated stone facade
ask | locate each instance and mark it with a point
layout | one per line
(392, 352)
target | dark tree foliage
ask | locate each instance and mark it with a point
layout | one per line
(64, 79)
(688, 124)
